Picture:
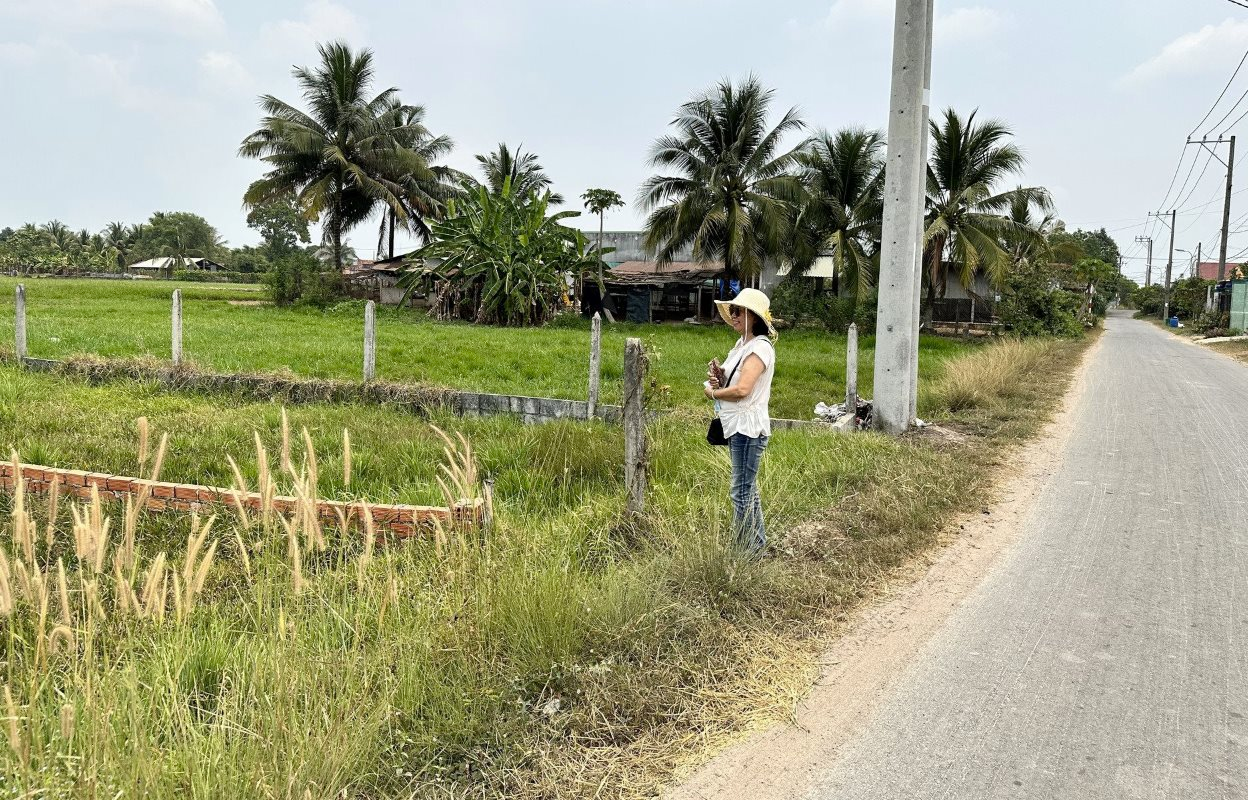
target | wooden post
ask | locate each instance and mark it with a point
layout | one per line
(370, 341)
(635, 458)
(851, 370)
(177, 327)
(487, 508)
(21, 323)
(595, 363)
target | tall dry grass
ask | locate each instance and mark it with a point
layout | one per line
(991, 375)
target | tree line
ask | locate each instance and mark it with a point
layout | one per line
(730, 186)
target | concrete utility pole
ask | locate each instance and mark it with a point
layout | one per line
(1226, 212)
(896, 350)
(1165, 312)
(1148, 270)
(1229, 163)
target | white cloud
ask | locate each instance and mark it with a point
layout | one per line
(224, 73)
(967, 24)
(847, 11)
(958, 25)
(1213, 48)
(184, 17)
(17, 53)
(322, 21)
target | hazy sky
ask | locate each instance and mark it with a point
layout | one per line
(117, 108)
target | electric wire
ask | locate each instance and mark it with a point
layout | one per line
(1213, 107)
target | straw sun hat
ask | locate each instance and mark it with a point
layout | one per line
(752, 300)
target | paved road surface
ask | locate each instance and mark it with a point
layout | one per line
(1106, 656)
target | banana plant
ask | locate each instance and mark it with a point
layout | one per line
(497, 258)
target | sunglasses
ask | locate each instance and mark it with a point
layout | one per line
(734, 312)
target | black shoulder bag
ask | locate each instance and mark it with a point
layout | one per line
(715, 433)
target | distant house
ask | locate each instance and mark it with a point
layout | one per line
(379, 279)
(160, 266)
(1208, 270)
(648, 292)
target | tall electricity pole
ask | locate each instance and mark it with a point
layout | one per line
(1226, 206)
(896, 349)
(1165, 309)
(1148, 270)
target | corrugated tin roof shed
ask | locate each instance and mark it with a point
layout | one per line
(650, 272)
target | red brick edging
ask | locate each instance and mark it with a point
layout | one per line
(398, 520)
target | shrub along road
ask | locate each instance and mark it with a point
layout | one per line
(1103, 656)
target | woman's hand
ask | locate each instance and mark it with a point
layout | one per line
(709, 391)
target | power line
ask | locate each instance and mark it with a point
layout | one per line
(1238, 3)
(1182, 203)
(1223, 94)
(1188, 178)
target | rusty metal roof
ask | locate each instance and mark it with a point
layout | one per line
(650, 272)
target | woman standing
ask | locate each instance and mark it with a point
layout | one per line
(741, 389)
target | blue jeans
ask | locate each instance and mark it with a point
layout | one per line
(747, 453)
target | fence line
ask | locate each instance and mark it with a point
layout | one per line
(176, 348)
(20, 323)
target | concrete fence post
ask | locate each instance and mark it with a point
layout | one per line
(370, 341)
(635, 457)
(20, 326)
(177, 328)
(851, 370)
(595, 363)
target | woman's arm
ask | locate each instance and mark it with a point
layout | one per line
(750, 370)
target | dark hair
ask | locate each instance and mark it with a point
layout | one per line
(759, 328)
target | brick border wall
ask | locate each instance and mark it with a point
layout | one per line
(398, 520)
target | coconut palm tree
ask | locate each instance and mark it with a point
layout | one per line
(730, 194)
(1035, 222)
(344, 157)
(427, 189)
(842, 210)
(59, 234)
(967, 220)
(522, 168)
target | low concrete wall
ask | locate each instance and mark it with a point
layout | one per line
(531, 409)
(416, 399)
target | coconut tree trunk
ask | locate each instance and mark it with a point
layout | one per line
(391, 233)
(933, 258)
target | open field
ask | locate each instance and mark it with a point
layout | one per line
(131, 318)
(570, 654)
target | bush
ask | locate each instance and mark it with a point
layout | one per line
(1148, 300)
(297, 277)
(222, 276)
(796, 302)
(1034, 304)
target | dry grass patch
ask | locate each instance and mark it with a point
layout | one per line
(990, 375)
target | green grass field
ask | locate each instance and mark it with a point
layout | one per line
(131, 318)
(572, 653)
